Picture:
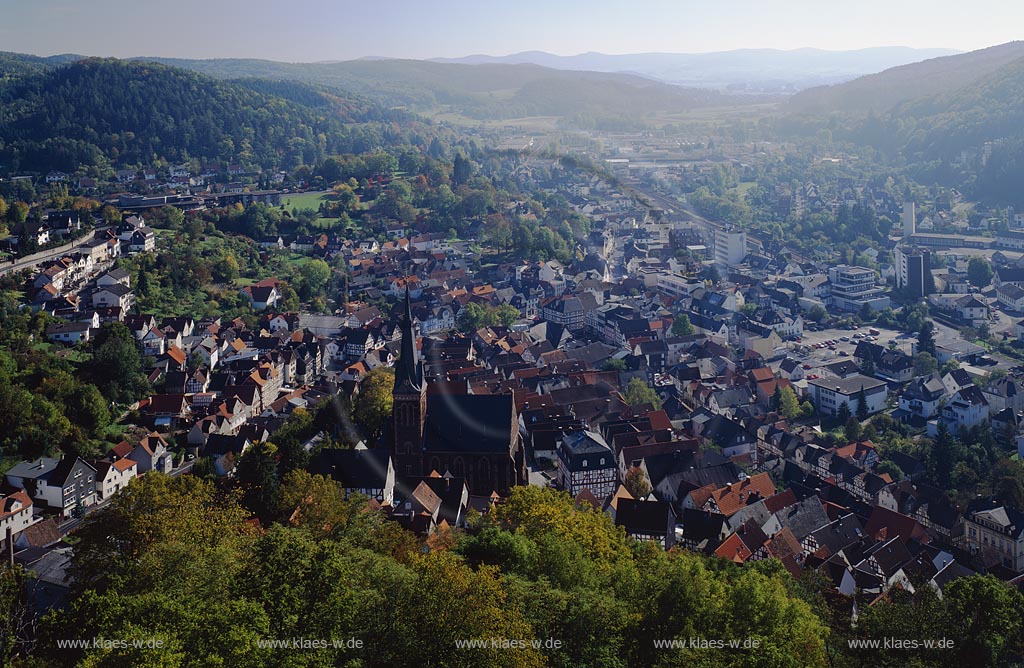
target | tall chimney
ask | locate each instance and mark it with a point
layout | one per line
(909, 219)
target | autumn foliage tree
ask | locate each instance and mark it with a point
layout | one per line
(372, 407)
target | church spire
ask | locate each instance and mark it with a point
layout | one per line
(408, 372)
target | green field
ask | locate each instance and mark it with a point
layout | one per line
(299, 201)
(743, 188)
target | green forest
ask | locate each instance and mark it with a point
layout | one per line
(96, 112)
(179, 561)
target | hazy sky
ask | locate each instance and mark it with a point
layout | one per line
(309, 30)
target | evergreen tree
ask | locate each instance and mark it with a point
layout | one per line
(926, 338)
(862, 405)
(942, 458)
(844, 413)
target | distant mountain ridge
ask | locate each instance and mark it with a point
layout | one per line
(481, 92)
(887, 89)
(766, 69)
(485, 91)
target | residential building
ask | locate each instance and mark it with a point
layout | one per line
(64, 485)
(967, 408)
(367, 472)
(647, 520)
(70, 332)
(15, 513)
(730, 247)
(913, 271)
(996, 531)
(922, 397)
(1011, 296)
(854, 287)
(110, 296)
(829, 394)
(114, 476)
(585, 461)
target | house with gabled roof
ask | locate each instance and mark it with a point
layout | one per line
(730, 499)
(15, 512)
(113, 476)
(967, 408)
(647, 520)
(152, 454)
(64, 485)
(995, 531)
(832, 538)
(362, 471)
(921, 398)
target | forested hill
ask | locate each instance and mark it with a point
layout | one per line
(956, 121)
(491, 91)
(98, 111)
(14, 65)
(884, 91)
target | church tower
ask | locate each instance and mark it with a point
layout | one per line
(410, 402)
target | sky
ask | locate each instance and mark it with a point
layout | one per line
(315, 30)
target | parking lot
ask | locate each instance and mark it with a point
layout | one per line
(814, 347)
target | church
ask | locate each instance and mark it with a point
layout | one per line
(470, 436)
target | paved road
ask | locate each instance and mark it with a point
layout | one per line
(44, 256)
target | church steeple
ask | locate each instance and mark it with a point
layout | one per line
(409, 410)
(408, 370)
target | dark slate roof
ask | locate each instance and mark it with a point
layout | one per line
(803, 518)
(961, 377)
(221, 444)
(925, 389)
(469, 423)
(354, 468)
(849, 385)
(952, 571)
(1010, 274)
(699, 526)
(843, 368)
(890, 555)
(65, 469)
(586, 447)
(909, 465)
(972, 395)
(647, 517)
(839, 534)
(725, 432)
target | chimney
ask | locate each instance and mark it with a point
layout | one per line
(10, 547)
(909, 220)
